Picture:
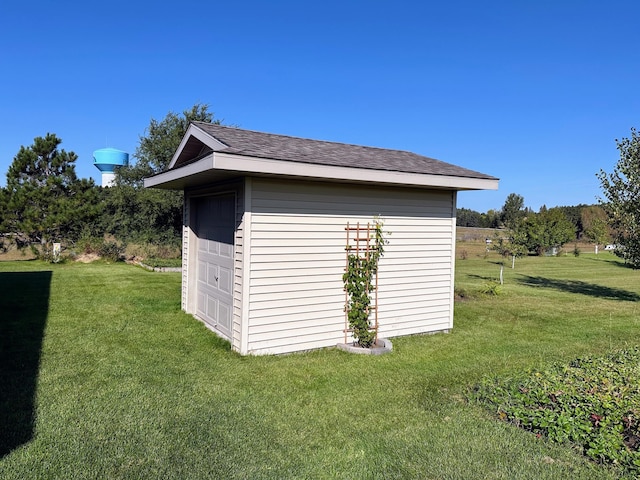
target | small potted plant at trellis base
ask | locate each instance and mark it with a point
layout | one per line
(364, 250)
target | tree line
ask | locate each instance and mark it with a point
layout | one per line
(525, 231)
(615, 219)
(579, 218)
(44, 202)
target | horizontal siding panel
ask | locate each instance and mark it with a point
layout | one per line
(297, 290)
(301, 250)
(313, 242)
(440, 262)
(290, 207)
(297, 331)
(299, 308)
(321, 246)
(261, 276)
(328, 323)
(310, 276)
(269, 340)
(414, 276)
(293, 299)
(412, 320)
(339, 258)
(414, 288)
(398, 307)
(328, 315)
(293, 265)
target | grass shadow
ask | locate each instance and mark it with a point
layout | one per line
(24, 305)
(580, 287)
(483, 277)
(614, 261)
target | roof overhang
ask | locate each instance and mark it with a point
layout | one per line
(219, 166)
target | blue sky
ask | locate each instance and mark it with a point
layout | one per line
(533, 92)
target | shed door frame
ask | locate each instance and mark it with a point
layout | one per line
(214, 262)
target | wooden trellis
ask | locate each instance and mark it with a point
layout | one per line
(359, 243)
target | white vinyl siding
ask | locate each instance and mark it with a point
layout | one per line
(186, 238)
(298, 238)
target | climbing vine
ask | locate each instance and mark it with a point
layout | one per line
(359, 284)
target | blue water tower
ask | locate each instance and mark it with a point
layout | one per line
(107, 160)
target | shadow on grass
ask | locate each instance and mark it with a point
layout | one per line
(583, 288)
(484, 277)
(24, 303)
(613, 261)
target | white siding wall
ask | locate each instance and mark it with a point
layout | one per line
(298, 257)
(186, 240)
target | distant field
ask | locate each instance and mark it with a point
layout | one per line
(471, 242)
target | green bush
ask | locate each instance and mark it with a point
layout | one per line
(592, 402)
(491, 288)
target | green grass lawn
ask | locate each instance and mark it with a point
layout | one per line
(102, 376)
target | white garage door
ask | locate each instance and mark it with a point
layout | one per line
(215, 227)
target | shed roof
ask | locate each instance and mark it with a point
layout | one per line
(208, 151)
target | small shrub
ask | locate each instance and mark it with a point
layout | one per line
(576, 251)
(491, 288)
(111, 251)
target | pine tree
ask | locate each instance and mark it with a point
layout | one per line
(44, 201)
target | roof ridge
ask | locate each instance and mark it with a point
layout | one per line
(332, 142)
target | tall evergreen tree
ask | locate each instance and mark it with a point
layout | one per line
(44, 201)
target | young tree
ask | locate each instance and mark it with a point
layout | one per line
(621, 190)
(44, 200)
(512, 210)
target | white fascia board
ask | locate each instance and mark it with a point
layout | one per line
(196, 132)
(203, 165)
(238, 163)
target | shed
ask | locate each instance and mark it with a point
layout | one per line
(264, 235)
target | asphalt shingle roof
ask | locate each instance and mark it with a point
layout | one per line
(319, 152)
